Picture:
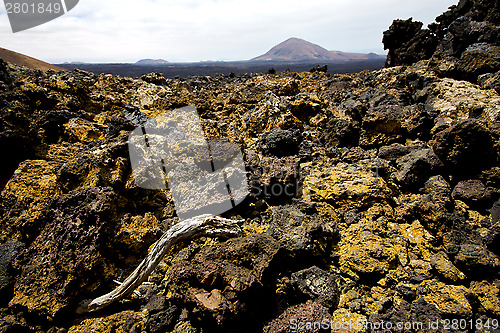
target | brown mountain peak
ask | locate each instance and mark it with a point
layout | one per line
(297, 49)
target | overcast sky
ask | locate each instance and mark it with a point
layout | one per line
(195, 30)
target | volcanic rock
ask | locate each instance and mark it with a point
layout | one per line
(374, 196)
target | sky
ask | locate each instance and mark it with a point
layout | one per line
(101, 31)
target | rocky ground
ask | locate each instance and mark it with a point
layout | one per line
(374, 196)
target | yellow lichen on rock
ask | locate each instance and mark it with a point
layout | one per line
(328, 211)
(31, 187)
(269, 113)
(82, 130)
(59, 85)
(488, 294)
(345, 186)
(421, 207)
(62, 152)
(363, 252)
(415, 233)
(349, 300)
(418, 238)
(255, 228)
(455, 99)
(32, 87)
(445, 267)
(139, 231)
(122, 322)
(349, 321)
(448, 299)
(375, 302)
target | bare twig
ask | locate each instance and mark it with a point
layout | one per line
(203, 225)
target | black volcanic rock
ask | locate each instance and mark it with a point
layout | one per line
(416, 167)
(8, 252)
(373, 195)
(492, 239)
(407, 42)
(463, 43)
(163, 320)
(490, 81)
(280, 142)
(155, 78)
(301, 234)
(231, 280)
(308, 312)
(340, 133)
(55, 276)
(466, 147)
(316, 284)
(475, 194)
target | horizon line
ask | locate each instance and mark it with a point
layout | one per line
(168, 62)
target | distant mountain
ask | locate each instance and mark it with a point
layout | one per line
(151, 62)
(296, 49)
(24, 60)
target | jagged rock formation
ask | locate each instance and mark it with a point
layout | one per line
(462, 44)
(374, 197)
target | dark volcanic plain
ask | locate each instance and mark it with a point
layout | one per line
(238, 67)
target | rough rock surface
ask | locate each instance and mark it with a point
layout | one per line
(374, 196)
(220, 281)
(301, 232)
(309, 317)
(466, 147)
(408, 42)
(80, 219)
(8, 252)
(463, 43)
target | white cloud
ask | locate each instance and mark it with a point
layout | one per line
(193, 30)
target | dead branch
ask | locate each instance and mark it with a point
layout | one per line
(203, 225)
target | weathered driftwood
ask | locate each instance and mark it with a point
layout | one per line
(203, 225)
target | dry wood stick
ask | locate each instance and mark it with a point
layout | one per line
(198, 226)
